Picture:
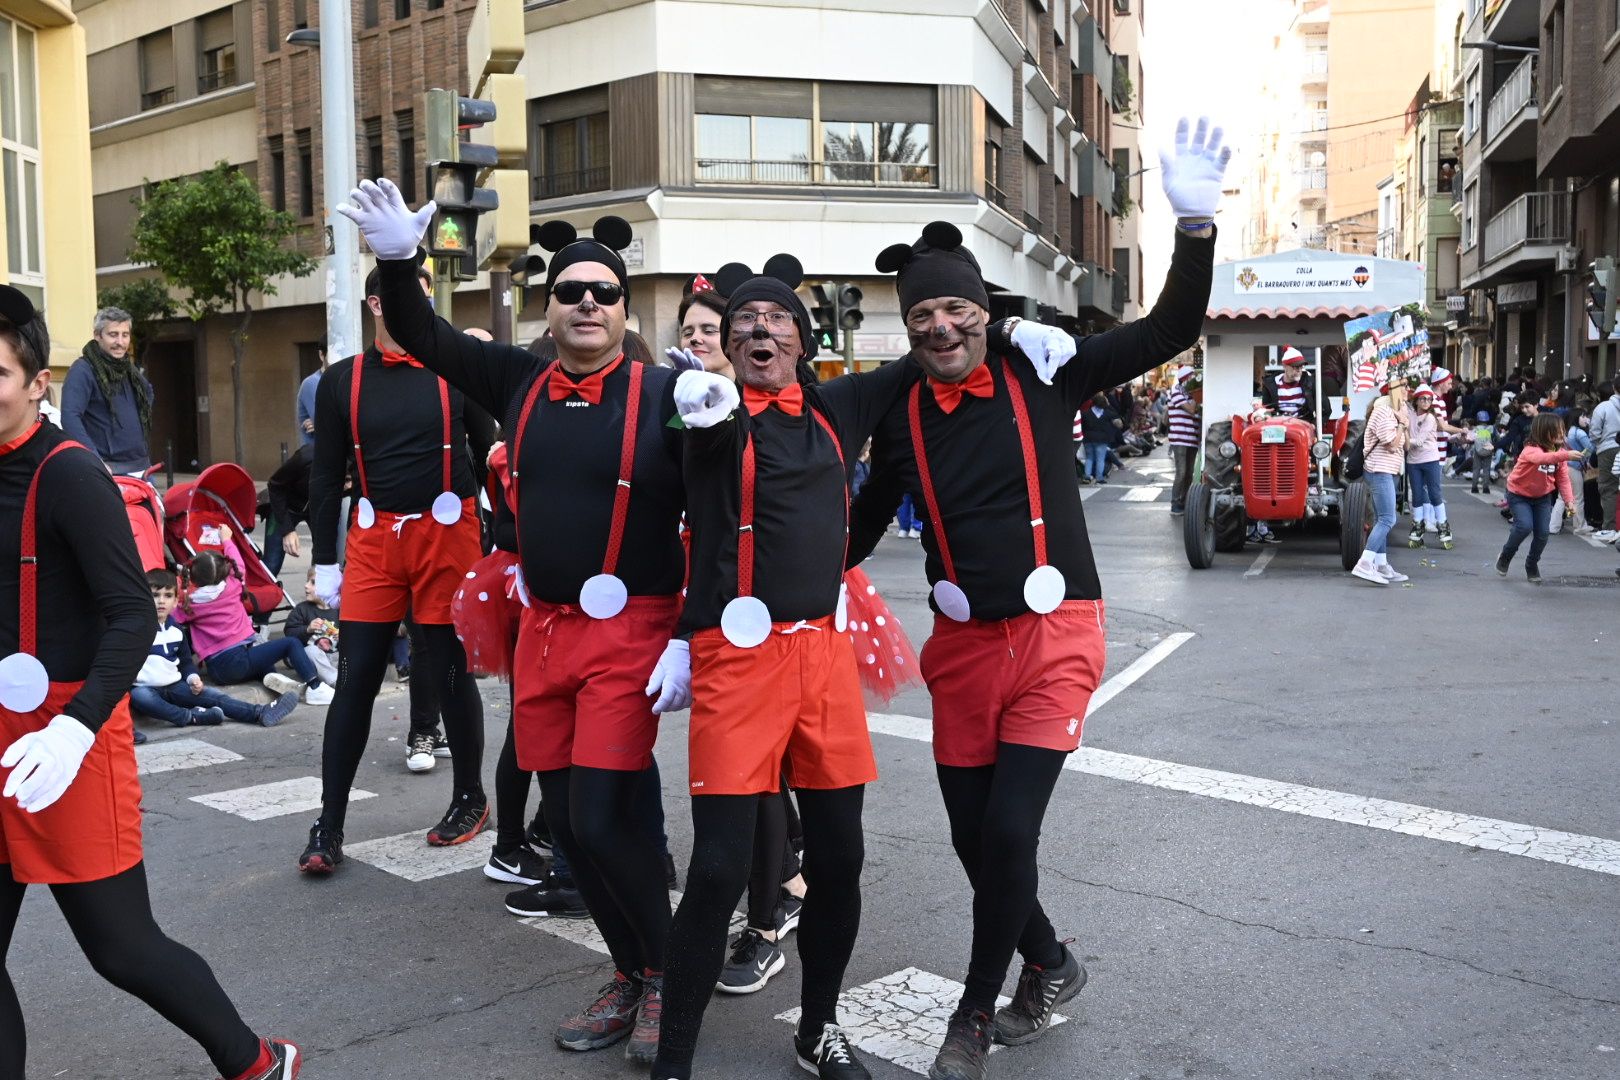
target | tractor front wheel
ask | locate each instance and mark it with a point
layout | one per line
(1198, 527)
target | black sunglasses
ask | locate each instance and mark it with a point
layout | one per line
(607, 293)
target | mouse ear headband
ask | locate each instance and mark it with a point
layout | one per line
(609, 236)
(782, 276)
(936, 265)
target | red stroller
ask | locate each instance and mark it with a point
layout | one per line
(145, 508)
(223, 495)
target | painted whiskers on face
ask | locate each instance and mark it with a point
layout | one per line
(765, 356)
(948, 337)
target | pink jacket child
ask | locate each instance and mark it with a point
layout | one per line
(224, 637)
(1540, 472)
(1536, 475)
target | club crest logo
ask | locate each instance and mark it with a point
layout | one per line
(1247, 279)
(1361, 277)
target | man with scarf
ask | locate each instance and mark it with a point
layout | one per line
(106, 401)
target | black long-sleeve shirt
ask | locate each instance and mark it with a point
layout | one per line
(94, 616)
(799, 491)
(288, 488)
(568, 464)
(401, 438)
(976, 458)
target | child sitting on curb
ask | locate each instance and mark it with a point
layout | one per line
(168, 686)
(316, 628)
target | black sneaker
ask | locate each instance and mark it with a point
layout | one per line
(324, 852)
(516, 866)
(669, 872)
(1502, 562)
(441, 746)
(213, 716)
(1039, 993)
(465, 819)
(140, 737)
(788, 909)
(1532, 574)
(829, 1055)
(548, 898)
(752, 962)
(278, 710)
(538, 835)
(967, 1046)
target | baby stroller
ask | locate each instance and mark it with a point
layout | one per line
(223, 495)
(145, 508)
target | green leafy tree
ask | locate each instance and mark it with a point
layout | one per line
(213, 238)
(148, 302)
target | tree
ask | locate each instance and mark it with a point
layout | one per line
(148, 302)
(213, 237)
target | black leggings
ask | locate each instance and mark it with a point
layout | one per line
(996, 813)
(512, 796)
(615, 865)
(722, 845)
(773, 858)
(362, 659)
(112, 920)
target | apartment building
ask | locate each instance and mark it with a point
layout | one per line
(1132, 152)
(45, 169)
(176, 87)
(843, 130)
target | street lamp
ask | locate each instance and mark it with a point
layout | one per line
(343, 286)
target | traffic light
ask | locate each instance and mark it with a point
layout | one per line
(1600, 296)
(850, 316)
(453, 168)
(825, 313)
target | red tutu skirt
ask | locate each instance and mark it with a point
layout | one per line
(883, 652)
(485, 613)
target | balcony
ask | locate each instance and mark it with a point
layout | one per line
(1312, 185)
(1515, 22)
(816, 173)
(1511, 118)
(562, 184)
(1315, 73)
(1096, 175)
(1091, 54)
(994, 195)
(1099, 298)
(154, 98)
(210, 81)
(1524, 239)
(1312, 127)
(1315, 239)
(1388, 244)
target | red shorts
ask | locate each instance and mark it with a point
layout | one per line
(413, 568)
(94, 830)
(579, 685)
(796, 698)
(1025, 680)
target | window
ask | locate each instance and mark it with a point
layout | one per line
(301, 13)
(368, 14)
(1032, 29)
(374, 149)
(216, 55)
(272, 26)
(1470, 218)
(157, 69)
(1122, 182)
(19, 155)
(1552, 53)
(872, 134)
(405, 131)
(278, 173)
(1032, 192)
(306, 173)
(402, 9)
(435, 5)
(573, 157)
(1471, 103)
(995, 188)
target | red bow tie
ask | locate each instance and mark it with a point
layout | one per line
(949, 394)
(790, 399)
(587, 389)
(391, 359)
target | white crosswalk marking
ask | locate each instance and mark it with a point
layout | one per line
(1088, 492)
(1145, 493)
(901, 1018)
(584, 931)
(263, 801)
(411, 857)
(172, 755)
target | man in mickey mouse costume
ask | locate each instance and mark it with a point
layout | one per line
(70, 809)
(1018, 642)
(596, 492)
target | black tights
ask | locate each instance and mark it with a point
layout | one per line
(362, 659)
(511, 796)
(773, 856)
(996, 813)
(722, 845)
(112, 920)
(615, 865)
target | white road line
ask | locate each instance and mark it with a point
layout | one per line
(411, 857)
(1088, 491)
(1143, 493)
(584, 931)
(172, 755)
(262, 801)
(1138, 668)
(901, 1018)
(1261, 563)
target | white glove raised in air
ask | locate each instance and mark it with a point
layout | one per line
(1046, 347)
(43, 763)
(388, 225)
(672, 678)
(329, 584)
(703, 398)
(1193, 171)
(684, 359)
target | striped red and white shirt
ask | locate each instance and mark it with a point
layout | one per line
(1184, 425)
(1290, 398)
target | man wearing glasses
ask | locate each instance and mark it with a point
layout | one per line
(595, 486)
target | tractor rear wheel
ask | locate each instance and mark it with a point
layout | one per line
(1231, 527)
(1355, 521)
(1198, 530)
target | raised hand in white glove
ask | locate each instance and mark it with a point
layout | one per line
(43, 763)
(703, 398)
(329, 584)
(1046, 347)
(388, 225)
(1193, 172)
(684, 359)
(672, 678)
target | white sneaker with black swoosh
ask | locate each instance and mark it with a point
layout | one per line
(518, 866)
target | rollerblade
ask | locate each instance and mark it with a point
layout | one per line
(1445, 535)
(1414, 539)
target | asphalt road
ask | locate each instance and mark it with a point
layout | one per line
(1348, 890)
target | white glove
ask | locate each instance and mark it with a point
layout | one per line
(683, 359)
(1046, 347)
(672, 678)
(703, 398)
(388, 225)
(329, 584)
(43, 763)
(1192, 174)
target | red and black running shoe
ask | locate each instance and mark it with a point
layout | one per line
(465, 819)
(324, 852)
(278, 1060)
(606, 1020)
(643, 1045)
